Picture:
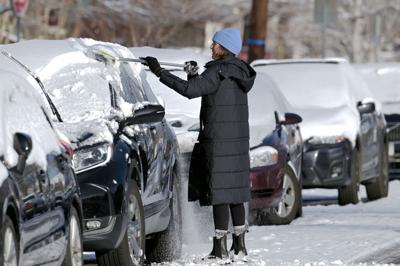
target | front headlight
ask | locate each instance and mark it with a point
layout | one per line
(89, 157)
(263, 156)
(326, 139)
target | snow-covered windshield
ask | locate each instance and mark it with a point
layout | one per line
(264, 100)
(310, 85)
(77, 84)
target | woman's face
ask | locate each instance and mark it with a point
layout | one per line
(217, 51)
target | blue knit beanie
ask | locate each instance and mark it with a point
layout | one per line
(230, 39)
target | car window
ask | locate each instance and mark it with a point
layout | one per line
(132, 91)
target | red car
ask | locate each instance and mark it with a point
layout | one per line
(275, 155)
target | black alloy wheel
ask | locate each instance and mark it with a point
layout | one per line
(9, 244)
(74, 254)
(349, 194)
(380, 188)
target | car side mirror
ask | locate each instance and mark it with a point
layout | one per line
(23, 146)
(366, 108)
(149, 113)
(291, 118)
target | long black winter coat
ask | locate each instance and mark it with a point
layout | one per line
(224, 130)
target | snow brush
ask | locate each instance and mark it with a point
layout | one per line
(103, 56)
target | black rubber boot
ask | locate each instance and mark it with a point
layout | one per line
(238, 245)
(219, 250)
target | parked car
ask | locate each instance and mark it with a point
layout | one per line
(343, 127)
(276, 150)
(383, 80)
(41, 217)
(125, 152)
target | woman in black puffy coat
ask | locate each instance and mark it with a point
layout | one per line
(220, 162)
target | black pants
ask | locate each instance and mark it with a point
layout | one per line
(221, 215)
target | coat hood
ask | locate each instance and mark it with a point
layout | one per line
(236, 69)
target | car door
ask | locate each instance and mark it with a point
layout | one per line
(151, 139)
(23, 114)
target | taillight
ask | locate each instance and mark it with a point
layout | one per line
(65, 144)
(68, 148)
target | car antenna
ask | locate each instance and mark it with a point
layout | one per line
(52, 106)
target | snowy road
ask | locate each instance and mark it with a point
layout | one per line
(362, 234)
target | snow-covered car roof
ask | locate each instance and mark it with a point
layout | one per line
(332, 60)
(80, 83)
(384, 81)
(323, 94)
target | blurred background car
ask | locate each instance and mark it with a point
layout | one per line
(383, 79)
(276, 148)
(125, 152)
(39, 194)
(343, 128)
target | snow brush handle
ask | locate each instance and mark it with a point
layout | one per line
(105, 56)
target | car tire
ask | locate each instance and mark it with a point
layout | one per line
(9, 244)
(131, 249)
(349, 193)
(380, 188)
(167, 245)
(74, 254)
(288, 208)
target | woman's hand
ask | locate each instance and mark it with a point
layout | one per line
(153, 64)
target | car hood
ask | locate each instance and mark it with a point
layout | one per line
(88, 133)
(341, 120)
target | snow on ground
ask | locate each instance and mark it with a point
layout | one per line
(325, 235)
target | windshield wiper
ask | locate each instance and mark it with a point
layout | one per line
(30, 72)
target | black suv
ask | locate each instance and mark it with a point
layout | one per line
(39, 194)
(125, 153)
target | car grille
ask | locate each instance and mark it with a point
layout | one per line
(393, 132)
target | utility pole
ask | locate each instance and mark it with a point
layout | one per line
(258, 29)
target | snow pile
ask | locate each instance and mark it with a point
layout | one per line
(319, 93)
(383, 80)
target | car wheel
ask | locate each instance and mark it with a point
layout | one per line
(349, 194)
(131, 250)
(288, 207)
(380, 188)
(9, 244)
(167, 245)
(73, 256)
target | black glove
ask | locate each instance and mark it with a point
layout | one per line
(153, 64)
(191, 68)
